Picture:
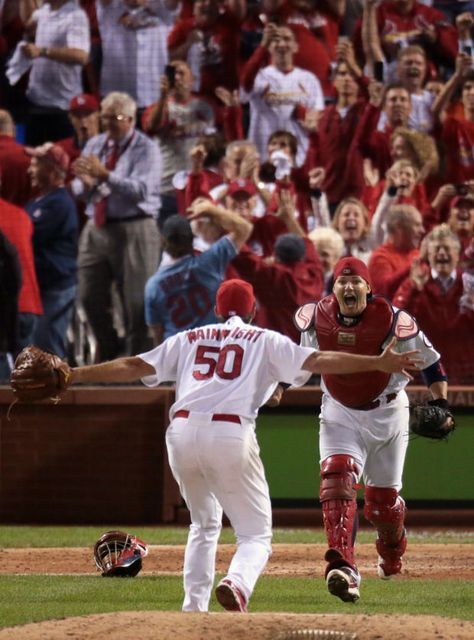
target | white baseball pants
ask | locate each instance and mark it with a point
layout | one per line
(376, 439)
(217, 466)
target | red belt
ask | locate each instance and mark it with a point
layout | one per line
(216, 417)
(376, 403)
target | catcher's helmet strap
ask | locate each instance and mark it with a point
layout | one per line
(405, 326)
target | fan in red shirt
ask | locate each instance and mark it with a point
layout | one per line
(401, 185)
(18, 229)
(404, 22)
(461, 223)
(335, 129)
(209, 43)
(395, 102)
(390, 263)
(457, 133)
(294, 271)
(14, 163)
(434, 291)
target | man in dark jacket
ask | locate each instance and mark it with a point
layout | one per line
(55, 237)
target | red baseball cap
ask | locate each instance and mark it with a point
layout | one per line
(235, 298)
(350, 266)
(242, 186)
(53, 153)
(84, 103)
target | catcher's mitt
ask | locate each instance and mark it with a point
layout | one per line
(38, 375)
(433, 420)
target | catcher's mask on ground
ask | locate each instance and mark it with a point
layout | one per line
(117, 553)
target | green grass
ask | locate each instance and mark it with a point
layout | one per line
(26, 599)
(26, 536)
(33, 598)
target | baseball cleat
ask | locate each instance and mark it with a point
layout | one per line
(386, 568)
(344, 583)
(230, 597)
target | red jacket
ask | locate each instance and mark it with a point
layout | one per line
(388, 267)
(439, 317)
(329, 149)
(395, 29)
(14, 163)
(281, 288)
(371, 143)
(219, 60)
(457, 137)
(18, 228)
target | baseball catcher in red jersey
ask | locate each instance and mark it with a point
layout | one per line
(364, 421)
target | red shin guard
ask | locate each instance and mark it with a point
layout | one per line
(385, 509)
(338, 499)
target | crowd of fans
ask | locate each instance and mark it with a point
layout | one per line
(150, 149)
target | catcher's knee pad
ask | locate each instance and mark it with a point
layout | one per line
(337, 495)
(385, 509)
(338, 478)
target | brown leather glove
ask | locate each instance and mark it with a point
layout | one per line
(38, 375)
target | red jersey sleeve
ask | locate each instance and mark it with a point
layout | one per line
(180, 32)
(233, 126)
(197, 186)
(259, 59)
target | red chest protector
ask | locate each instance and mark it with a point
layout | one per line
(366, 338)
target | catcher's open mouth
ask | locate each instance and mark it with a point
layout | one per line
(350, 299)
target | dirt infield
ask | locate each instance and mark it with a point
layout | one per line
(436, 561)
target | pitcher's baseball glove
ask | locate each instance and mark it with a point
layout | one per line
(433, 420)
(38, 375)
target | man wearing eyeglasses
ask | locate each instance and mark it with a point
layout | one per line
(118, 175)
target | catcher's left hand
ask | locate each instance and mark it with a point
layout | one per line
(434, 420)
(38, 375)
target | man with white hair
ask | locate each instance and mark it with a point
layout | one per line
(441, 295)
(118, 175)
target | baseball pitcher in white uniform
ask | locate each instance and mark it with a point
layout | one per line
(224, 373)
(364, 421)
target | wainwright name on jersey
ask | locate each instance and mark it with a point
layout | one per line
(234, 363)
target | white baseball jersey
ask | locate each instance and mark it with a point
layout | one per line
(223, 373)
(272, 101)
(377, 439)
(226, 368)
